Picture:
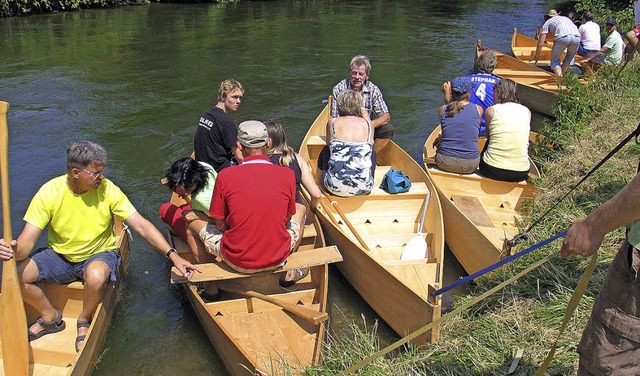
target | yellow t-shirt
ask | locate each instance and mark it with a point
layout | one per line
(79, 225)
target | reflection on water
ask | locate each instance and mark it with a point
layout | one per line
(136, 80)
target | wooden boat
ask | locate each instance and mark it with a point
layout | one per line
(371, 232)
(251, 335)
(524, 47)
(537, 88)
(55, 354)
(480, 214)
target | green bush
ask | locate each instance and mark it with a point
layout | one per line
(10, 8)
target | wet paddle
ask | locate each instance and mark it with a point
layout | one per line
(308, 314)
(15, 343)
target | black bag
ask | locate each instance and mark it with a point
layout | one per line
(394, 181)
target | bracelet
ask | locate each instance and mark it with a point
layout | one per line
(169, 252)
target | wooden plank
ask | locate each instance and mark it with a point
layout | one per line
(222, 271)
(473, 209)
(523, 73)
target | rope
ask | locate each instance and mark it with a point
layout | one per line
(524, 235)
(498, 264)
(571, 307)
(442, 319)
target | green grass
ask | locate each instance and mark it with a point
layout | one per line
(527, 314)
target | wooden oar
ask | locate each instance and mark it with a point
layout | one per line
(305, 313)
(348, 223)
(13, 325)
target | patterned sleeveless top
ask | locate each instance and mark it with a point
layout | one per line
(349, 172)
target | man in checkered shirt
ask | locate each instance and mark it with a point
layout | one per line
(358, 80)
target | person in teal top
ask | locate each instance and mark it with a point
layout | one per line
(194, 182)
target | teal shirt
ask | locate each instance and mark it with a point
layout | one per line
(202, 199)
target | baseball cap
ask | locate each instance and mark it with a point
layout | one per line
(252, 134)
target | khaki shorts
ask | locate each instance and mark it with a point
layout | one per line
(610, 343)
(212, 237)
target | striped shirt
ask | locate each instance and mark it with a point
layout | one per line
(371, 97)
(560, 26)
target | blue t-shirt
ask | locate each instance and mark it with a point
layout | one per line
(482, 93)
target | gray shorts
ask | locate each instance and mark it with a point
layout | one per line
(457, 165)
(211, 237)
(54, 268)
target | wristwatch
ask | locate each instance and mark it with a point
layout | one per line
(169, 252)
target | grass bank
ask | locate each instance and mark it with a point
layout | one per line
(527, 314)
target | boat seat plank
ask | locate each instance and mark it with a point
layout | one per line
(221, 271)
(517, 73)
(473, 209)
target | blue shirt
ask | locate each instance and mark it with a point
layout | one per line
(482, 93)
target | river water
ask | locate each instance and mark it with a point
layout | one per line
(136, 80)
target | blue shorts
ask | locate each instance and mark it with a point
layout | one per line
(53, 268)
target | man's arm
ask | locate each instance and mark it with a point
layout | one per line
(584, 237)
(23, 245)
(381, 120)
(601, 52)
(536, 56)
(154, 237)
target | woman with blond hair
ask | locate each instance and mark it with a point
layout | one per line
(282, 154)
(351, 159)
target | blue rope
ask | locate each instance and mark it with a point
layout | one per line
(498, 264)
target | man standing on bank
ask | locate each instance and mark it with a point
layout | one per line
(566, 37)
(358, 80)
(215, 140)
(610, 343)
(78, 209)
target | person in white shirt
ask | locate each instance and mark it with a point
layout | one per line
(589, 36)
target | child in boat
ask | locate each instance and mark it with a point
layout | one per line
(349, 164)
(506, 155)
(194, 182)
(460, 120)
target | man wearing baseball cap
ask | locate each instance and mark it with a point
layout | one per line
(253, 224)
(611, 51)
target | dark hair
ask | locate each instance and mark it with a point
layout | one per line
(186, 172)
(505, 91)
(588, 15)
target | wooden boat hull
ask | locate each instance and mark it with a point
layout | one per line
(537, 88)
(397, 290)
(252, 336)
(480, 214)
(55, 354)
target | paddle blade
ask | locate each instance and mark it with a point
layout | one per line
(15, 343)
(416, 249)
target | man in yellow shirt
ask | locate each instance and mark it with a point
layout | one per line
(78, 209)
